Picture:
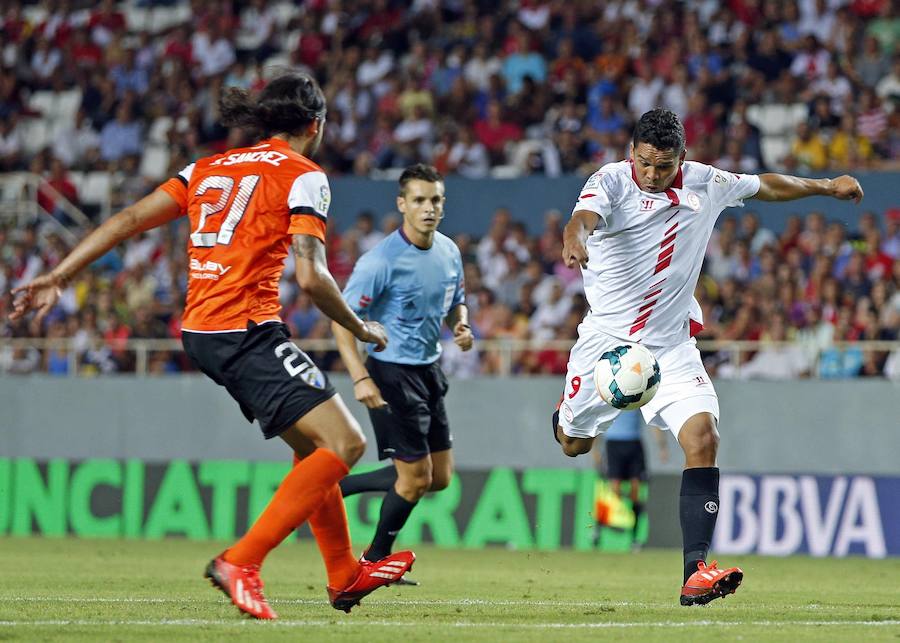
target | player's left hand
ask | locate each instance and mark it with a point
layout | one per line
(846, 188)
(462, 336)
(39, 295)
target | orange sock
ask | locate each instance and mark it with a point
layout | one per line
(298, 496)
(329, 526)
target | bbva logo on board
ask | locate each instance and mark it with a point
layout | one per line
(779, 515)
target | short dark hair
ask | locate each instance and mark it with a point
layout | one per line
(420, 172)
(286, 105)
(660, 128)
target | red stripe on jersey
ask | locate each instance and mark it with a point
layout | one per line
(662, 265)
(672, 196)
(666, 253)
(674, 225)
(637, 327)
(644, 316)
(649, 304)
(654, 293)
(668, 240)
(586, 196)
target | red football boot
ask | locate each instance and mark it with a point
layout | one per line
(709, 582)
(242, 585)
(371, 576)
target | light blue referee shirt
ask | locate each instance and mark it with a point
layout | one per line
(627, 426)
(409, 291)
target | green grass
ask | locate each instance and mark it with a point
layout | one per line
(65, 589)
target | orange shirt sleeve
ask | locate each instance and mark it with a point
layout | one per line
(176, 187)
(307, 221)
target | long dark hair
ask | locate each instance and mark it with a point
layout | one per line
(286, 105)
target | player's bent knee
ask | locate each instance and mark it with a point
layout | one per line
(414, 479)
(700, 441)
(414, 488)
(575, 446)
(355, 448)
(440, 482)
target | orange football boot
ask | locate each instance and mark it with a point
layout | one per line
(709, 583)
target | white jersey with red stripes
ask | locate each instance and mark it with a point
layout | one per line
(645, 255)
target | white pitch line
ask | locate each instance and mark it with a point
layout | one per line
(462, 602)
(456, 624)
(316, 601)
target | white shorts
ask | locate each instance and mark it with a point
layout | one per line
(684, 389)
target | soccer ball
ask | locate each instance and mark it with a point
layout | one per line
(627, 376)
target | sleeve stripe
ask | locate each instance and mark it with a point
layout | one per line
(305, 209)
(182, 179)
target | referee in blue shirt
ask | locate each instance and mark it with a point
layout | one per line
(411, 283)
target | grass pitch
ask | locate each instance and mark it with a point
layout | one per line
(64, 589)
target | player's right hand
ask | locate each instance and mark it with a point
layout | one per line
(374, 333)
(367, 392)
(574, 253)
(41, 295)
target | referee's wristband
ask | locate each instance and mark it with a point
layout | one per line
(361, 379)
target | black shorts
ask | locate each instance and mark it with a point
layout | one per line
(414, 423)
(273, 380)
(625, 459)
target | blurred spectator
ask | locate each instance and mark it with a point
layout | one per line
(121, 136)
(808, 149)
(494, 131)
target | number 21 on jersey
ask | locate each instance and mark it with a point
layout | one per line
(236, 211)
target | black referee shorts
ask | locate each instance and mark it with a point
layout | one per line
(625, 459)
(414, 423)
(272, 380)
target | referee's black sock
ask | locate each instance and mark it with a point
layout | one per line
(394, 511)
(699, 507)
(377, 480)
(638, 508)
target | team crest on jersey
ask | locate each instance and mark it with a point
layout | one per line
(324, 199)
(594, 181)
(693, 201)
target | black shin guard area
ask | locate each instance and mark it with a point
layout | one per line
(394, 511)
(378, 480)
(698, 509)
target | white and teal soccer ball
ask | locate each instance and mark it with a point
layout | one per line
(627, 376)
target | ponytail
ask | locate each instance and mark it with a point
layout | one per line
(287, 105)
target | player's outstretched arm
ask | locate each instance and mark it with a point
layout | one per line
(314, 277)
(43, 292)
(458, 322)
(575, 235)
(783, 187)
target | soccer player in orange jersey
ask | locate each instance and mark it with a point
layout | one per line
(246, 208)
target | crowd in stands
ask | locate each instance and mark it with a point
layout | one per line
(815, 284)
(477, 88)
(126, 93)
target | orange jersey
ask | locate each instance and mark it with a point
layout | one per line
(244, 206)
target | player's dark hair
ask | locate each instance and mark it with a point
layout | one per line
(287, 105)
(660, 128)
(420, 172)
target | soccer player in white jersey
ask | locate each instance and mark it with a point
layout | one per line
(639, 231)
